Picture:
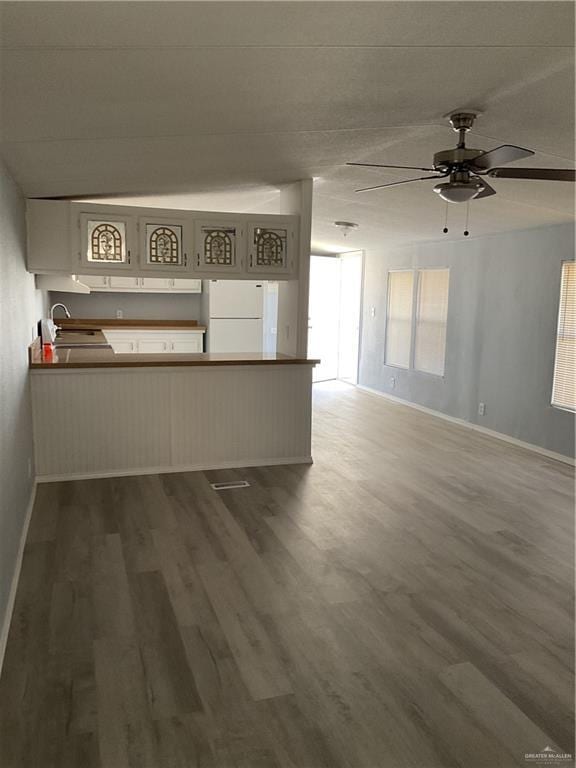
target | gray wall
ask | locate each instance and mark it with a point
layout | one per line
(502, 313)
(20, 308)
(144, 306)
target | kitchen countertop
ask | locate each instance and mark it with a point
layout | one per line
(79, 323)
(89, 349)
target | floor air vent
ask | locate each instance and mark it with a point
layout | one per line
(229, 486)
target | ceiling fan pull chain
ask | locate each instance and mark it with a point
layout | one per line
(445, 230)
(466, 232)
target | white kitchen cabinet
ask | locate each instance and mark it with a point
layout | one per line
(153, 346)
(186, 285)
(123, 283)
(220, 246)
(272, 248)
(121, 347)
(165, 242)
(146, 243)
(96, 282)
(153, 341)
(155, 284)
(190, 344)
(127, 284)
(104, 239)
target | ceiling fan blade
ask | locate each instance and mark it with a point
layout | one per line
(507, 153)
(396, 183)
(401, 167)
(546, 174)
(488, 191)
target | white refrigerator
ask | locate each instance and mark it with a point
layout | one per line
(235, 316)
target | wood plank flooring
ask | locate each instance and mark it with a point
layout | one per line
(405, 602)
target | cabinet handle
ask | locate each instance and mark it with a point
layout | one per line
(197, 259)
(185, 259)
(128, 256)
(251, 260)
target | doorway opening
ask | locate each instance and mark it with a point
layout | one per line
(334, 315)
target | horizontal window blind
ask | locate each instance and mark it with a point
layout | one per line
(564, 388)
(431, 319)
(399, 318)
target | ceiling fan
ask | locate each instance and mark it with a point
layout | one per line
(464, 167)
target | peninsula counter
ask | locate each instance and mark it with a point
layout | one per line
(100, 414)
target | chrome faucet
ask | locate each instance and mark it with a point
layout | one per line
(55, 327)
(64, 307)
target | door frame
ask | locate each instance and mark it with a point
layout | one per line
(339, 255)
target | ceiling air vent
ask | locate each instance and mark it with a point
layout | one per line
(231, 485)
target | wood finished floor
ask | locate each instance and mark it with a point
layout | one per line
(406, 602)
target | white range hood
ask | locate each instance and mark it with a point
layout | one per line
(64, 283)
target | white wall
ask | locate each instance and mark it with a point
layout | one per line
(143, 306)
(502, 314)
(20, 308)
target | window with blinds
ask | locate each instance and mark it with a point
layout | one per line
(564, 387)
(399, 318)
(431, 320)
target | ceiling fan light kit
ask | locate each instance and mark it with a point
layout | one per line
(464, 166)
(346, 226)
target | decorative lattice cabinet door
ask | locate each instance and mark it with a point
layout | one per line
(106, 241)
(220, 246)
(271, 248)
(165, 244)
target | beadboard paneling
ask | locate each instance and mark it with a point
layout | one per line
(101, 422)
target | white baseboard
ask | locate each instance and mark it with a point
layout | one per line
(16, 577)
(184, 468)
(476, 427)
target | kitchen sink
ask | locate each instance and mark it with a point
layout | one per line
(84, 332)
(81, 345)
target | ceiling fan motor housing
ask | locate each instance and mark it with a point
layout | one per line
(448, 158)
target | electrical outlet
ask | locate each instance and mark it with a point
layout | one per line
(119, 314)
(392, 382)
(481, 409)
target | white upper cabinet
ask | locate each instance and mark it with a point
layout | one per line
(220, 246)
(105, 240)
(271, 248)
(165, 243)
(147, 243)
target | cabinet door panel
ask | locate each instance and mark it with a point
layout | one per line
(96, 282)
(106, 240)
(127, 283)
(123, 347)
(187, 284)
(271, 248)
(153, 345)
(188, 345)
(164, 243)
(160, 284)
(220, 246)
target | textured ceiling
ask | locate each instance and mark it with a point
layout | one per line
(216, 104)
